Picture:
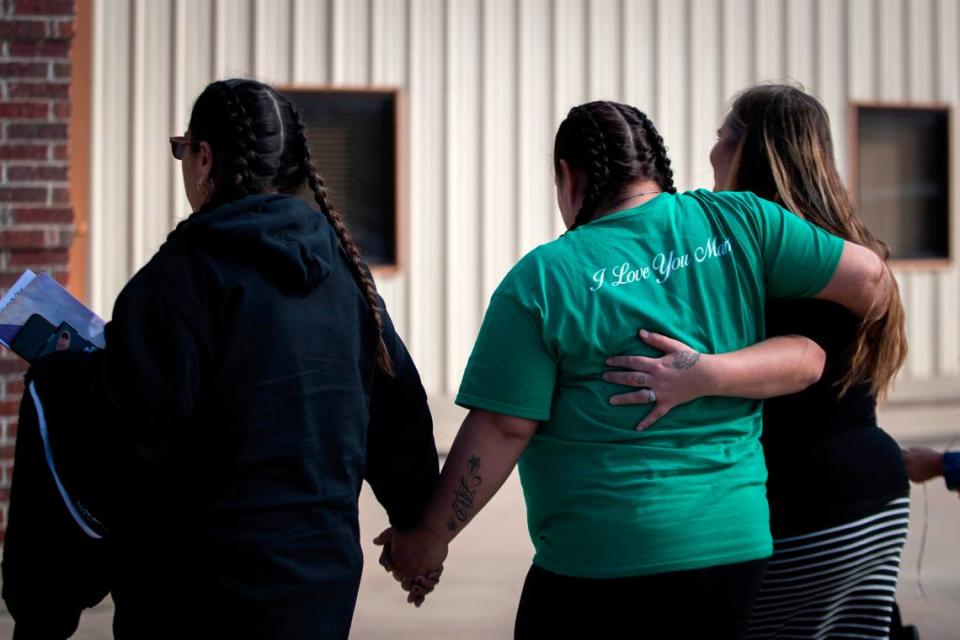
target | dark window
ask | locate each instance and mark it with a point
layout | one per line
(903, 173)
(353, 141)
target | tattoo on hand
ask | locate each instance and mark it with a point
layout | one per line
(685, 359)
(465, 494)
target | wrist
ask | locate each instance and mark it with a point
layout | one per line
(436, 535)
(709, 373)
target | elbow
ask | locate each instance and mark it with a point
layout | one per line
(867, 282)
(507, 427)
(880, 269)
(812, 370)
(876, 283)
(809, 369)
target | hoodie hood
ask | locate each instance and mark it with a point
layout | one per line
(283, 237)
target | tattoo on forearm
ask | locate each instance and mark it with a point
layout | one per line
(463, 500)
(465, 494)
(685, 359)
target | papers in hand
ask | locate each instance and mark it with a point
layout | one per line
(42, 295)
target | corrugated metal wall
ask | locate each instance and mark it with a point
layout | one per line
(487, 82)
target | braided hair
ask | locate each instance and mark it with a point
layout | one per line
(654, 147)
(260, 145)
(245, 146)
(357, 264)
(613, 144)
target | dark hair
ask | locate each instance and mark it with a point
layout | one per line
(784, 153)
(613, 144)
(259, 144)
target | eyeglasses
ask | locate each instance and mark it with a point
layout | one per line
(178, 146)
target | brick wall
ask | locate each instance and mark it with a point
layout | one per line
(35, 214)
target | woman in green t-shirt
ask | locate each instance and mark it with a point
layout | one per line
(668, 529)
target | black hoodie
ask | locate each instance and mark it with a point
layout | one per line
(225, 430)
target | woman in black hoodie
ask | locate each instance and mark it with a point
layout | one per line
(251, 380)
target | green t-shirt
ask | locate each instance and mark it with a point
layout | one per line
(604, 500)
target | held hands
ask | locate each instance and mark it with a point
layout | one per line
(670, 380)
(415, 558)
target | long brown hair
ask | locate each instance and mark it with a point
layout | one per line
(784, 153)
(259, 144)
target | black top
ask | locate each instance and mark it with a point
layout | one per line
(827, 459)
(239, 396)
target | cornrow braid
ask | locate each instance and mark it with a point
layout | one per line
(644, 156)
(598, 169)
(659, 149)
(240, 177)
(358, 265)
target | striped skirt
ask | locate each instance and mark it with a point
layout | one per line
(835, 583)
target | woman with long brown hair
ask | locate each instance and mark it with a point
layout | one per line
(837, 486)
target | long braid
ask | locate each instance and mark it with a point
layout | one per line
(598, 170)
(260, 147)
(358, 265)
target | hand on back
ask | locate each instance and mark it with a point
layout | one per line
(668, 381)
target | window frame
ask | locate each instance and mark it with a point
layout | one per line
(400, 170)
(853, 164)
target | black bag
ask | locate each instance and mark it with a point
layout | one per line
(52, 568)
